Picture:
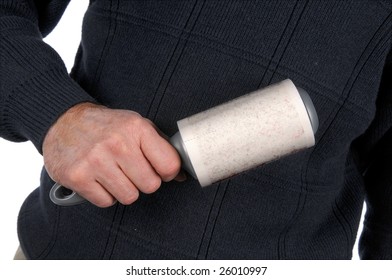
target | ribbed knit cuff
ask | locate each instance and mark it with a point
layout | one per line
(35, 105)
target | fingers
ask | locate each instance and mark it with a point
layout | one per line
(107, 155)
(133, 172)
(139, 171)
(121, 169)
(97, 194)
(118, 185)
(161, 155)
(181, 176)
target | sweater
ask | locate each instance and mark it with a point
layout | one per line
(169, 59)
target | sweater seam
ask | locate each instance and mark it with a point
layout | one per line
(207, 222)
(371, 47)
(100, 11)
(198, 38)
(175, 58)
(145, 243)
(348, 231)
(109, 38)
(53, 239)
(216, 220)
(302, 195)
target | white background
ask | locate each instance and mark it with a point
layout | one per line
(20, 163)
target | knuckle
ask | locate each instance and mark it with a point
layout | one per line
(152, 185)
(146, 128)
(76, 175)
(175, 167)
(137, 128)
(130, 198)
(105, 203)
(136, 122)
(116, 144)
(94, 157)
(171, 169)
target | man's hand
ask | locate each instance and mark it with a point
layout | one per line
(107, 155)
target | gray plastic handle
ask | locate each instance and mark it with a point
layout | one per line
(312, 114)
(58, 195)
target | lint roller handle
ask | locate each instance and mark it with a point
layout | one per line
(64, 197)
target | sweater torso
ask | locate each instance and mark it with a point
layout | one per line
(168, 60)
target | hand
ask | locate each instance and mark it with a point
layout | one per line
(106, 155)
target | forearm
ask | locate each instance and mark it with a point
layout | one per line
(35, 86)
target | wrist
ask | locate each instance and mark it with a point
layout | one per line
(67, 120)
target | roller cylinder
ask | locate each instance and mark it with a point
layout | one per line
(246, 132)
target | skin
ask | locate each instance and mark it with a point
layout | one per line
(108, 155)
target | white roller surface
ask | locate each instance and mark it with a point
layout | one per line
(246, 132)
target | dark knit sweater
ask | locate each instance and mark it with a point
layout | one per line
(170, 59)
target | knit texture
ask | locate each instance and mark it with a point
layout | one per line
(170, 59)
(35, 87)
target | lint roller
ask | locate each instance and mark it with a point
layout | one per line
(238, 135)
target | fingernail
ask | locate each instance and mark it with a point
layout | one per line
(181, 177)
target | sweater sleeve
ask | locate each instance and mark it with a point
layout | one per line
(375, 150)
(35, 88)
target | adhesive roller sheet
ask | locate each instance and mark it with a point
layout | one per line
(246, 132)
